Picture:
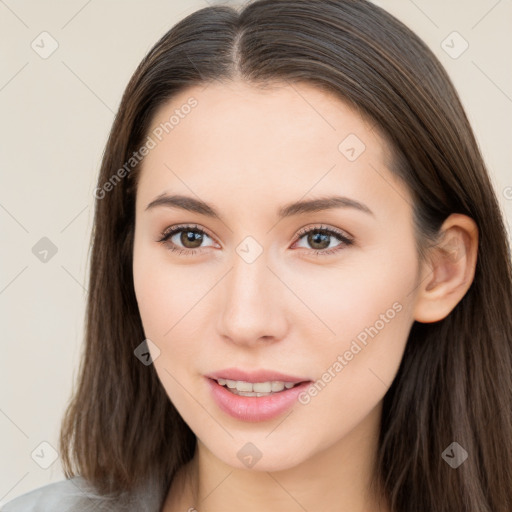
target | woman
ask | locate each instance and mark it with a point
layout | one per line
(300, 288)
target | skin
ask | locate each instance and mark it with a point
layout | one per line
(248, 151)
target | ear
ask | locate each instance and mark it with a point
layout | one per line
(449, 269)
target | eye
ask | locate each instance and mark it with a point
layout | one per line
(320, 238)
(189, 236)
(187, 239)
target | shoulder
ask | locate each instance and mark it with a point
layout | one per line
(76, 495)
(65, 496)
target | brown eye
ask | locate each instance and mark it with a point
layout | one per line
(319, 240)
(184, 239)
(191, 239)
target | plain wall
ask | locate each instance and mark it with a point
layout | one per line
(56, 113)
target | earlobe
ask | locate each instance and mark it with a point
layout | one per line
(449, 271)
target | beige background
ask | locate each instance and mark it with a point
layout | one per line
(56, 114)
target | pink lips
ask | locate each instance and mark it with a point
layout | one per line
(251, 408)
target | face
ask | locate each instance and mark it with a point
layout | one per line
(322, 295)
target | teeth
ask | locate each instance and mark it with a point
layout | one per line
(254, 389)
(278, 386)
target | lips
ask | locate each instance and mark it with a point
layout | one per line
(255, 408)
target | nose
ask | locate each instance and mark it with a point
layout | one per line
(252, 306)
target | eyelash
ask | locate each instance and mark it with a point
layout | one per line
(345, 240)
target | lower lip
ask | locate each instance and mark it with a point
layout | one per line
(254, 408)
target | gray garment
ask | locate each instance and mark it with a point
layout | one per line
(76, 495)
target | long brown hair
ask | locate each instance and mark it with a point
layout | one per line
(455, 379)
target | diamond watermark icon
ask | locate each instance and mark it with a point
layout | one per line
(147, 352)
(249, 454)
(44, 250)
(454, 455)
(249, 249)
(351, 147)
(454, 45)
(44, 455)
(44, 45)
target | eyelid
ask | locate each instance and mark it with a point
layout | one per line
(341, 233)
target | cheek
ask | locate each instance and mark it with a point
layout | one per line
(155, 290)
(170, 299)
(165, 298)
(159, 287)
(356, 367)
(367, 288)
(368, 305)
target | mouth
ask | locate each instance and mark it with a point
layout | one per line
(255, 396)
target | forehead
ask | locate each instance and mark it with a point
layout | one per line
(243, 111)
(278, 139)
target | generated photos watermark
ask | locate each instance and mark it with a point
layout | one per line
(356, 346)
(156, 136)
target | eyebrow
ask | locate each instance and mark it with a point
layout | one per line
(296, 208)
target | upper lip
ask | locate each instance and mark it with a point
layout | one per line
(254, 376)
